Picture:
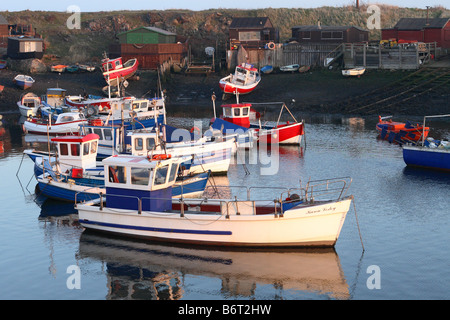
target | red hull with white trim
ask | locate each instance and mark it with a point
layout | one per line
(289, 133)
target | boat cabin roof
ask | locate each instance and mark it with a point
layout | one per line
(69, 116)
(247, 66)
(134, 161)
(236, 105)
(77, 139)
(56, 91)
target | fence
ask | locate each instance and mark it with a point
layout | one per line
(286, 54)
(409, 56)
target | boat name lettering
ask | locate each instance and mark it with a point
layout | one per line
(326, 209)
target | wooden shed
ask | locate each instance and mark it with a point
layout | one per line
(421, 30)
(252, 32)
(4, 33)
(151, 46)
(329, 34)
(147, 35)
(24, 47)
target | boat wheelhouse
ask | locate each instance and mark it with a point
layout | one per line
(114, 71)
(238, 117)
(138, 203)
(244, 80)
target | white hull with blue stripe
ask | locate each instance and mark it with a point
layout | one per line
(136, 204)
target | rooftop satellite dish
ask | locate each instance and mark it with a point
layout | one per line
(209, 51)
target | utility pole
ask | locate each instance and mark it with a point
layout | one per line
(357, 4)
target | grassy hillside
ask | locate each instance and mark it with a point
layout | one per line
(203, 28)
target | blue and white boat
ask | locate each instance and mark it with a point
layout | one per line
(138, 203)
(267, 69)
(74, 169)
(429, 153)
(23, 81)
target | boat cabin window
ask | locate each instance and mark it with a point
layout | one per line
(237, 112)
(63, 149)
(75, 149)
(108, 134)
(161, 175)
(117, 174)
(86, 149)
(94, 146)
(173, 172)
(138, 144)
(117, 63)
(98, 132)
(140, 176)
(227, 112)
(245, 111)
(150, 143)
(66, 119)
(143, 105)
(108, 66)
(135, 105)
(89, 148)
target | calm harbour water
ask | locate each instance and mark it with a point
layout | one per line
(403, 216)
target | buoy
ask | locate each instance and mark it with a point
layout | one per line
(161, 157)
(271, 46)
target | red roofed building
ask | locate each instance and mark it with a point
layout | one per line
(420, 30)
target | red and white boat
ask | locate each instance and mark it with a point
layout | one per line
(243, 81)
(114, 71)
(82, 102)
(239, 117)
(66, 123)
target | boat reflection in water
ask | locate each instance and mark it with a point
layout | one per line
(145, 270)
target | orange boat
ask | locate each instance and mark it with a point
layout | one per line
(400, 132)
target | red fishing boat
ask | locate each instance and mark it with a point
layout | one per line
(243, 81)
(239, 116)
(400, 132)
(114, 71)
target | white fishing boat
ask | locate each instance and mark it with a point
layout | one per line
(354, 72)
(290, 68)
(149, 212)
(244, 80)
(214, 156)
(74, 170)
(65, 123)
(29, 104)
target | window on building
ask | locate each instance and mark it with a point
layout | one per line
(250, 36)
(332, 35)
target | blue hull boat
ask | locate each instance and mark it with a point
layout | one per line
(437, 157)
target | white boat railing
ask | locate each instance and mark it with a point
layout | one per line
(318, 190)
(424, 119)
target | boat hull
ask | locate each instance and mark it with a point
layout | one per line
(86, 189)
(114, 76)
(227, 87)
(54, 129)
(400, 132)
(425, 157)
(289, 134)
(309, 226)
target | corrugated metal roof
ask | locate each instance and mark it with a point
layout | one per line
(250, 23)
(3, 20)
(326, 28)
(154, 29)
(421, 23)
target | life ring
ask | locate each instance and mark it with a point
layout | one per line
(160, 157)
(196, 130)
(271, 46)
